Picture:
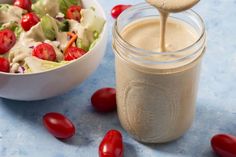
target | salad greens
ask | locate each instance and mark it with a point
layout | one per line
(52, 7)
(4, 7)
(55, 27)
(91, 21)
(9, 13)
(43, 7)
(88, 30)
(63, 26)
(49, 27)
(35, 64)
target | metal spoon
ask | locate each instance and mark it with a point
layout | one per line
(173, 6)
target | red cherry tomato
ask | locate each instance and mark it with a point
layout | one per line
(111, 145)
(74, 13)
(4, 65)
(118, 9)
(24, 4)
(104, 100)
(45, 51)
(7, 40)
(224, 145)
(29, 20)
(73, 53)
(58, 125)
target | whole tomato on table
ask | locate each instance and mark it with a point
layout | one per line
(224, 145)
(58, 125)
(111, 145)
(104, 100)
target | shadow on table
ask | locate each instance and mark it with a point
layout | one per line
(173, 150)
(78, 141)
(30, 111)
(129, 150)
(33, 111)
(90, 125)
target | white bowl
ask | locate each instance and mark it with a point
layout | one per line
(51, 83)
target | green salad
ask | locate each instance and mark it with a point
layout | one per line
(39, 35)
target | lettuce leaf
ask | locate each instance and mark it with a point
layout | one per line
(63, 25)
(38, 65)
(91, 21)
(49, 26)
(10, 13)
(43, 7)
(82, 40)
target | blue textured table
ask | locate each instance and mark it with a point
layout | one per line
(22, 133)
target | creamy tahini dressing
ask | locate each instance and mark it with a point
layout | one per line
(178, 35)
(28, 40)
(165, 7)
(52, 7)
(162, 41)
(156, 102)
(80, 31)
(35, 36)
(11, 13)
(14, 67)
(25, 44)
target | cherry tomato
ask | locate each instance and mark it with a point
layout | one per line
(4, 65)
(224, 145)
(45, 51)
(73, 53)
(24, 4)
(29, 20)
(74, 13)
(112, 145)
(104, 100)
(7, 40)
(118, 9)
(58, 125)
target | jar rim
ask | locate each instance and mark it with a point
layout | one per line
(148, 52)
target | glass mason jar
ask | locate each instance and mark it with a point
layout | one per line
(156, 98)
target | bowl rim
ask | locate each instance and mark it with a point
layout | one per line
(102, 35)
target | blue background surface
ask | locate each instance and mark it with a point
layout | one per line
(22, 133)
